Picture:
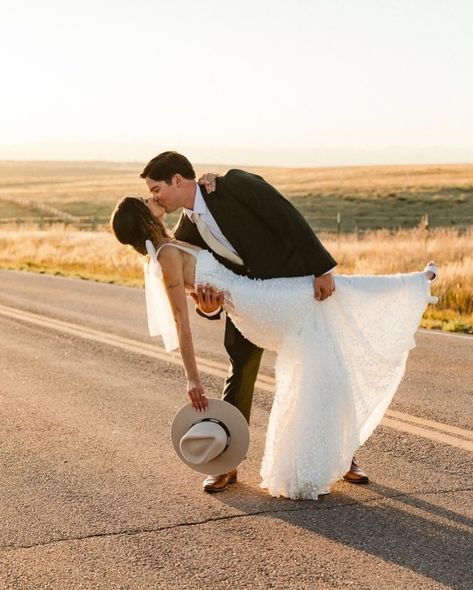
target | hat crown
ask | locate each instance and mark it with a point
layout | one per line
(196, 443)
(204, 441)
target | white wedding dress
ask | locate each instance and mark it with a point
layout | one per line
(339, 363)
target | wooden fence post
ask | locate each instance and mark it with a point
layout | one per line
(425, 222)
(426, 235)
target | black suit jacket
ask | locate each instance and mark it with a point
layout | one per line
(266, 230)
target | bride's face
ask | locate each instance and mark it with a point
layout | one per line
(156, 209)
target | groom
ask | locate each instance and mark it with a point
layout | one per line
(253, 230)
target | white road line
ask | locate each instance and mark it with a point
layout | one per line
(446, 334)
(437, 431)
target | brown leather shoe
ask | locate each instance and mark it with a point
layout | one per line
(218, 483)
(356, 474)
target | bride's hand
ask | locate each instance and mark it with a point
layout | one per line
(209, 180)
(196, 393)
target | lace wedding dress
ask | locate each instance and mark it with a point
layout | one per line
(339, 364)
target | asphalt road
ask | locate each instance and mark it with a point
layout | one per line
(92, 496)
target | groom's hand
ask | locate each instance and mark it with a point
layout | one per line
(208, 299)
(324, 286)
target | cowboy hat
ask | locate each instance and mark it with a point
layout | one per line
(211, 442)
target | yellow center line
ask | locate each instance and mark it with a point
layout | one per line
(403, 422)
(447, 439)
(430, 424)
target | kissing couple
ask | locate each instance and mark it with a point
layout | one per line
(241, 249)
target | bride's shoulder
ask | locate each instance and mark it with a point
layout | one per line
(174, 253)
(186, 247)
(166, 253)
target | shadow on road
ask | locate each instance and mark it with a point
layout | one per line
(392, 525)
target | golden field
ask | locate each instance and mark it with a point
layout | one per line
(367, 197)
(97, 256)
(109, 181)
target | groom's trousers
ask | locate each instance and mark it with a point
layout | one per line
(245, 358)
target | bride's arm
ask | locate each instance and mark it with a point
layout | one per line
(209, 180)
(171, 264)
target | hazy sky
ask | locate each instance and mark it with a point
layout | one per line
(297, 82)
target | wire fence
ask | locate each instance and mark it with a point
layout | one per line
(329, 224)
(44, 222)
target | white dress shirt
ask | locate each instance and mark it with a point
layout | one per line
(200, 208)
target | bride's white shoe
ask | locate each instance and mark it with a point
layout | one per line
(431, 271)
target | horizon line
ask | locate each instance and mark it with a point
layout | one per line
(233, 164)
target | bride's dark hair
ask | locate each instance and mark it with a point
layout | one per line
(132, 223)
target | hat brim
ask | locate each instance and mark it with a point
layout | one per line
(233, 420)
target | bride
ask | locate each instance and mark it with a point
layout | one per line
(339, 363)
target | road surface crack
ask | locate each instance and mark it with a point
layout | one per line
(142, 530)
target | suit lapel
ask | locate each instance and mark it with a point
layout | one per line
(226, 213)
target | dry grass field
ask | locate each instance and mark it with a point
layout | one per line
(97, 256)
(368, 197)
(109, 180)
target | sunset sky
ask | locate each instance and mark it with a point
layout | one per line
(278, 82)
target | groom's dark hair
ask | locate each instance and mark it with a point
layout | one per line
(164, 166)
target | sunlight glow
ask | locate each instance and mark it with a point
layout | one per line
(267, 82)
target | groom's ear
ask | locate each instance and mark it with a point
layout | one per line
(177, 180)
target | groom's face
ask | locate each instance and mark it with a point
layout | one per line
(169, 196)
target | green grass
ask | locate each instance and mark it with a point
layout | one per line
(320, 211)
(9, 209)
(391, 212)
(366, 197)
(84, 208)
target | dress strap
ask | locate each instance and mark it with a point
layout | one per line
(179, 247)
